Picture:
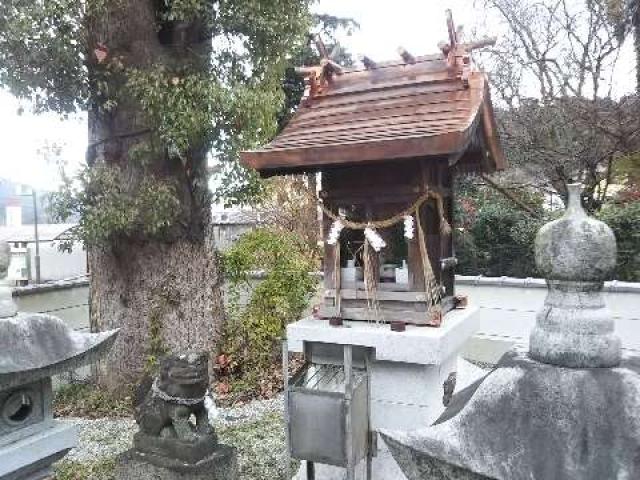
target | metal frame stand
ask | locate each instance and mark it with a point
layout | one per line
(348, 396)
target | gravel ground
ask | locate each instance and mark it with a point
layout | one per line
(100, 438)
(249, 412)
(108, 437)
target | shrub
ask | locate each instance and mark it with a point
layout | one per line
(495, 237)
(250, 341)
(505, 236)
(624, 220)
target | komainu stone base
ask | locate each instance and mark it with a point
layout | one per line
(221, 465)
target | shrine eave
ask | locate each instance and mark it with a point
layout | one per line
(433, 118)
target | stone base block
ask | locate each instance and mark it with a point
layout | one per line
(416, 345)
(182, 451)
(31, 457)
(221, 465)
(408, 369)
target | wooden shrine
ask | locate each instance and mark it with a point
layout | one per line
(388, 140)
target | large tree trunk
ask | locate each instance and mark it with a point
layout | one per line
(164, 297)
(636, 39)
(161, 291)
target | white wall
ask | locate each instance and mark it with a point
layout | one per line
(57, 265)
(13, 215)
(507, 315)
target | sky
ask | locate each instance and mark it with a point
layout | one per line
(417, 25)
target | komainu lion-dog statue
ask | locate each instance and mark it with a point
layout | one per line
(171, 412)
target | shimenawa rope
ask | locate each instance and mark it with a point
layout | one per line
(432, 289)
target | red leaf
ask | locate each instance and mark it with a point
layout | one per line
(101, 52)
(223, 388)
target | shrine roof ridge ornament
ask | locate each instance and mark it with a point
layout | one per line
(413, 106)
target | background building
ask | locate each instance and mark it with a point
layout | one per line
(54, 263)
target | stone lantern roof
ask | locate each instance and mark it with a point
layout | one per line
(35, 346)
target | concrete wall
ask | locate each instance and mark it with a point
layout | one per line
(508, 308)
(70, 303)
(54, 264)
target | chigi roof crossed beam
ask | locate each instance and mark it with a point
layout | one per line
(414, 106)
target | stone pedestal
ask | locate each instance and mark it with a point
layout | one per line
(408, 371)
(221, 465)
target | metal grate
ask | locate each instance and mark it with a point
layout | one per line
(327, 378)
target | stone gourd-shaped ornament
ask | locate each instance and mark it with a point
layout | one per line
(175, 439)
(575, 254)
(33, 348)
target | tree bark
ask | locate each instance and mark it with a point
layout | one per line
(163, 297)
(636, 39)
(163, 293)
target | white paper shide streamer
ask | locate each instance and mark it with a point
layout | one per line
(211, 408)
(334, 233)
(408, 227)
(375, 240)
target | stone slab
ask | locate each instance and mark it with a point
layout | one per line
(383, 467)
(532, 421)
(418, 345)
(221, 465)
(40, 470)
(51, 443)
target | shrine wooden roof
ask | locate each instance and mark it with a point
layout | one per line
(436, 105)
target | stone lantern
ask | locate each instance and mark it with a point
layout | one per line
(33, 348)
